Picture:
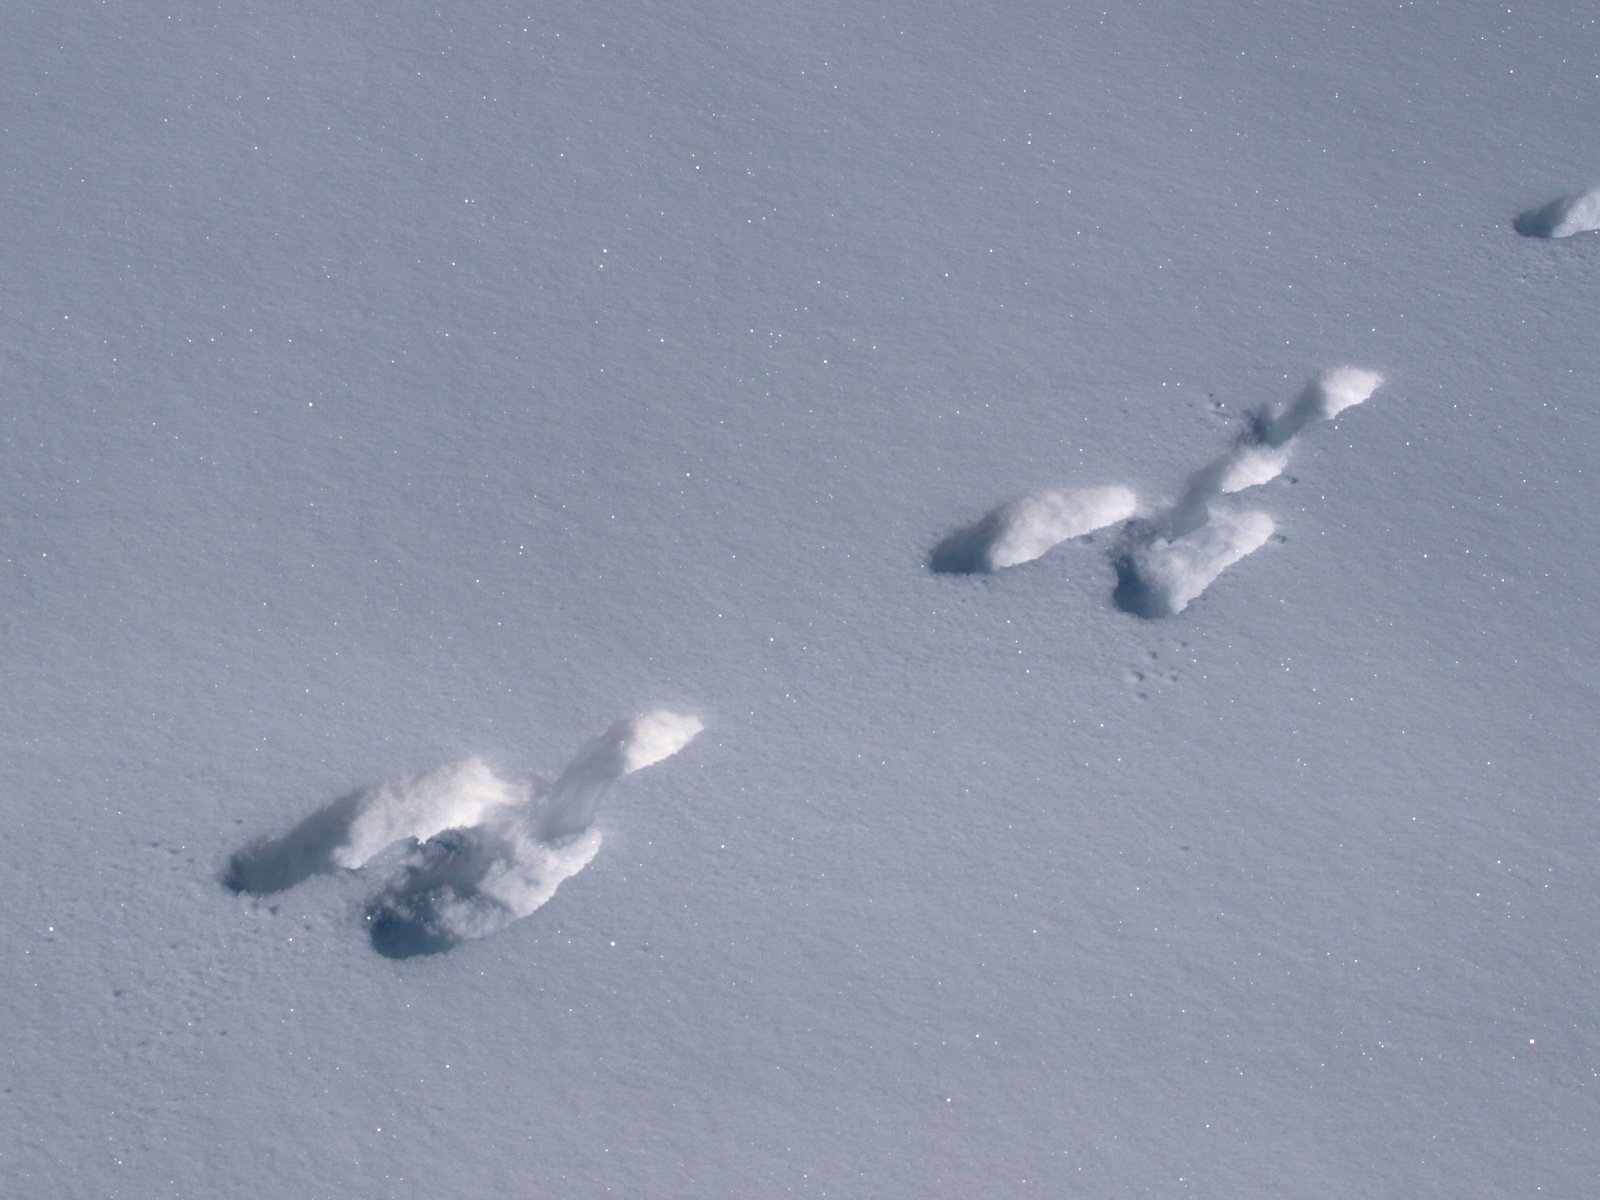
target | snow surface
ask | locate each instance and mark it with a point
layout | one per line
(1026, 529)
(487, 852)
(416, 385)
(1563, 216)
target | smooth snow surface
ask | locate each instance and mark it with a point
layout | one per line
(409, 384)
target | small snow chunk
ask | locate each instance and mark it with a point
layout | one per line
(1346, 387)
(1324, 398)
(1039, 522)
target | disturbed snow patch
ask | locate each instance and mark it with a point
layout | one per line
(468, 883)
(1026, 529)
(1162, 576)
(353, 829)
(1166, 562)
(1171, 561)
(485, 851)
(1563, 217)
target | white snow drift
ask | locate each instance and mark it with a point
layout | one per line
(1025, 529)
(1324, 398)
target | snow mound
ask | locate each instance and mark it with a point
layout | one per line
(656, 735)
(1026, 529)
(1163, 577)
(626, 747)
(1563, 217)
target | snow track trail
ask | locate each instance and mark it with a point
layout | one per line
(484, 851)
(1169, 562)
(1165, 562)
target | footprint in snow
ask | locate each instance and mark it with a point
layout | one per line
(482, 852)
(1166, 561)
(1562, 217)
(1026, 529)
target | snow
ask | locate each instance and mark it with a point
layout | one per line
(1028, 528)
(418, 386)
(1563, 216)
(1165, 575)
(486, 852)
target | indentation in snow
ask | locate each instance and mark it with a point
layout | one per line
(1025, 529)
(1172, 560)
(1165, 562)
(1562, 217)
(1324, 398)
(485, 851)
(1161, 577)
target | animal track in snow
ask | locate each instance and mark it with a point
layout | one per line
(1163, 575)
(484, 852)
(1562, 217)
(1165, 562)
(1170, 562)
(1025, 529)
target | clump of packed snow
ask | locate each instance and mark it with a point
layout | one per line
(1324, 398)
(1563, 217)
(1027, 528)
(448, 798)
(627, 746)
(1252, 466)
(1164, 576)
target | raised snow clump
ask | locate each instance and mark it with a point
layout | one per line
(1563, 217)
(1026, 529)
